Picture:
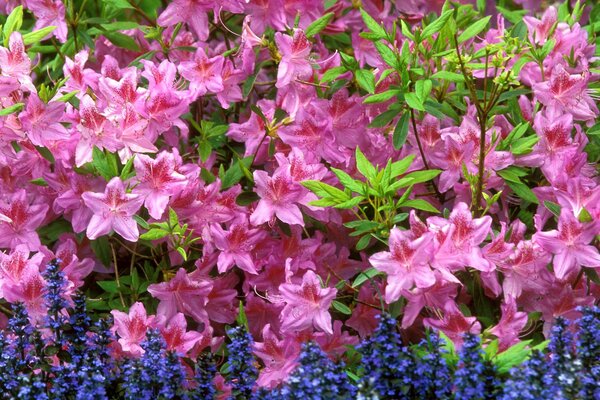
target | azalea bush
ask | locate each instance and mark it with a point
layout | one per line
(240, 194)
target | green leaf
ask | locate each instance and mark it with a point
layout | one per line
(436, 25)
(422, 176)
(511, 357)
(12, 109)
(420, 204)
(105, 163)
(13, 23)
(182, 253)
(353, 202)
(348, 182)
(120, 26)
(365, 80)
(141, 221)
(373, 25)
(154, 234)
(524, 145)
(553, 207)
(474, 29)
(422, 89)
(523, 191)
(364, 166)
(381, 97)
(119, 4)
(365, 276)
(401, 131)
(449, 76)
(363, 242)
(122, 40)
(317, 26)
(413, 101)
(66, 97)
(387, 54)
(333, 73)
(325, 191)
(37, 36)
(109, 286)
(126, 171)
(173, 218)
(400, 167)
(341, 307)
(39, 182)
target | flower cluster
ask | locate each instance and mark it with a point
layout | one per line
(312, 171)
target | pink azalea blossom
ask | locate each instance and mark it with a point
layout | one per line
(306, 304)
(113, 209)
(182, 294)
(176, 335)
(236, 246)
(50, 13)
(294, 63)
(204, 74)
(94, 131)
(453, 323)
(570, 244)
(158, 180)
(279, 356)
(132, 327)
(406, 264)
(510, 325)
(278, 195)
(42, 122)
(539, 30)
(19, 219)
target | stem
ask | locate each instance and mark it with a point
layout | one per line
(114, 254)
(422, 153)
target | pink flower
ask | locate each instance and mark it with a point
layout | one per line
(158, 181)
(14, 61)
(204, 74)
(191, 12)
(279, 357)
(113, 209)
(570, 244)
(175, 333)
(539, 30)
(15, 265)
(19, 220)
(50, 13)
(306, 304)
(568, 93)
(236, 246)
(294, 62)
(510, 325)
(42, 122)
(277, 197)
(406, 264)
(182, 294)
(453, 323)
(132, 328)
(94, 130)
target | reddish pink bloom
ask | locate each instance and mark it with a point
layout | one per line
(15, 265)
(277, 197)
(176, 334)
(132, 328)
(454, 324)
(294, 63)
(204, 74)
(158, 181)
(570, 244)
(94, 130)
(50, 13)
(14, 61)
(406, 264)
(191, 12)
(279, 357)
(236, 246)
(42, 122)
(30, 290)
(19, 220)
(539, 30)
(182, 294)
(306, 304)
(113, 209)
(510, 325)
(568, 93)
(337, 344)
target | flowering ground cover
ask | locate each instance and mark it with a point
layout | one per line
(283, 199)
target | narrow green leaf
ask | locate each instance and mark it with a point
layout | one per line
(449, 76)
(318, 25)
(154, 234)
(365, 276)
(13, 23)
(474, 29)
(436, 25)
(365, 80)
(401, 131)
(37, 36)
(12, 109)
(381, 97)
(523, 191)
(341, 307)
(373, 25)
(413, 101)
(364, 166)
(420, 204)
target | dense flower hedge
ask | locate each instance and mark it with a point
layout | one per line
(245, 198)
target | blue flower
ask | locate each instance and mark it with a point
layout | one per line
(242, 369)
(475, 378)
